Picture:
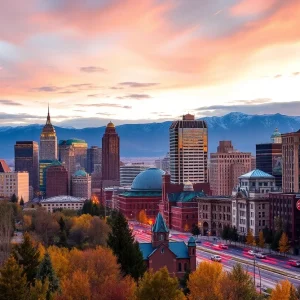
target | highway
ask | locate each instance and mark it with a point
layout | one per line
(206, 248)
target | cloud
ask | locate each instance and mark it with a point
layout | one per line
(138, 84)
(252, 7)
(105, 105)
(116, 88)
(93, 69)
(98, 95)
(135, 96)
(68, 89)
(278, 76)
(296, 73)
(10, 102)
(287, 108)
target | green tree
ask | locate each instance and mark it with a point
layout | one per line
(234, 234)
(27, 255)
(238, 285)
(14, 198)
(159, 286)
(250, 238)
(22, 201)
(226, 233)
(195, 230)
(261, 240)
(275, 242)
(184, 282)
(268, 234)
(13, 284)
(284, 245)
(123, 245)
(46, 272)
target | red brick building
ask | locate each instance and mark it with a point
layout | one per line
(56, 181)
(176, 256)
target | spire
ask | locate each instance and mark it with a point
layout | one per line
(160, 224)
(48, 116)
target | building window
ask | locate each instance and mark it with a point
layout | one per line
(162, 251)
(161, 237)
(179, 267)
(185, 267)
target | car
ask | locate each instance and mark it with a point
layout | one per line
(294, 263)
(260, 255)
(252, 252)
(198, 241)
(216, 258)
(223, 246)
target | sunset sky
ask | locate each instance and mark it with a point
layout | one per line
(133, 61)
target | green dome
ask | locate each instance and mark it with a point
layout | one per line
(148, 180)
(276, 133)
(80, 173)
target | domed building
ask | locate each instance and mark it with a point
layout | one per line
(276, 137)
(48, 141)
(81, 184)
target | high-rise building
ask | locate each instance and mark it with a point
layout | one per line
(269, 157)
(44, 164)
(81, 185)
(14, 183)
(48, 141)
(4, 168)
(79, 147)
(94, 158)
(290, 162)
(188, 150)
(56, 181)
(163, 163)
(226, 166)
(129, 172)
(27, 159)
(110, 154)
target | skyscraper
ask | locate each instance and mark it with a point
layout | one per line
(188, 150)
(48, 141)
(226, 166)
(27, 159)
(44, 164)
(269, 157)
(94, 158)
(111, 154)
(56, 181)
(4, 168)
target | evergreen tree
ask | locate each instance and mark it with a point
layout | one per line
(234, 234)
(225, 233)
(46, 272)
(195, 230)
(22, 201)
(184, 281)
(14, 198)
(123, 245)
(13, 284)
(275, 242)
(27, 256)
(268, 234)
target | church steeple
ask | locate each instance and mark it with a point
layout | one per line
(160, 231)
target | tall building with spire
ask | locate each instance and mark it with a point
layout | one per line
(110, 154)
(48, 141)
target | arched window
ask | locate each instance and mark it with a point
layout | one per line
(162, 251)
(179, 267)
(161, 237)
(193, 251)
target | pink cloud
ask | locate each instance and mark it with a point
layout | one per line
(252, 7)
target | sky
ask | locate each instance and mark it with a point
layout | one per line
(138, 61)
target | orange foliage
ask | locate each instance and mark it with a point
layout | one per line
(60, 258)
(284, 290)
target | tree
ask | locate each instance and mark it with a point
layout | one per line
(142, 217)
(238, 285)
(22, 201)
(250, 238)
(268, 234)
(27, 256)
(14, 198)
(46, 272)
(27, 222)
(12, 281)
(186, 227)
(98, 232)
(158, 286)
(234, 234)
(261, 240)
(284, 290)
(205, 282)
(284, 243)
(122, 243)
(60, 259)
(6, 230)
(275, 242)
(226, 233)
(195, 230)
(39, 290)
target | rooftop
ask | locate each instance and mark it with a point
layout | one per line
(185, 196)
(72, 141)
(80, 173)
(148, 180)
(160, 224)
(63, 199)
(256, 174)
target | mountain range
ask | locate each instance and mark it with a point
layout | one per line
(152, 139)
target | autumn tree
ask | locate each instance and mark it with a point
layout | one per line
(195, 230)
(60, 258)
(284, 290)
(39, 290)
(46, 272)
(98, 232)
(158, 286)
(238, 285)
(142, 217)
(186, 227)
(205, 282)
(27, 255)
(250, 238)
(261, 240)
(6, 230)
(13, 284)
(123, 245)
(27, 222)
(284, 243)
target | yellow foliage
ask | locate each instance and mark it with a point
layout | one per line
(142, 217)
(261, 240)
(27, 222)
(60, 258)
(250, 238)
(186, 228)
(83, 222)
(205, 282)
(284, 243)
(284, 290)
(42, 251)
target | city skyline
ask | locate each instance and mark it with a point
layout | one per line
(129, 63)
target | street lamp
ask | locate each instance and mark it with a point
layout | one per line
(254, 261)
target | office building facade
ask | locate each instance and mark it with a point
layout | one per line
(43, 165)
(94, 158)
(188, 150)
(129, 172)
(57, 181)
(81, 185)
(27, 159)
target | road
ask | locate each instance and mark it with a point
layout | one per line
(206, 247)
